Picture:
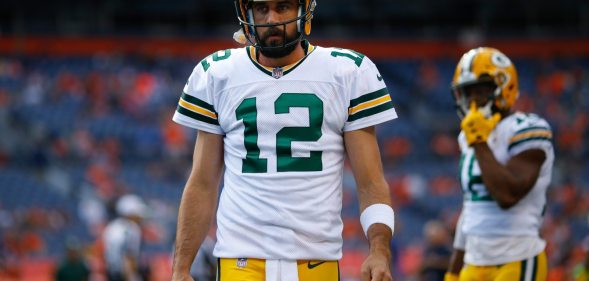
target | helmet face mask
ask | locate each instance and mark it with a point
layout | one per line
(482, 93)
(250, 28)
(485, 66)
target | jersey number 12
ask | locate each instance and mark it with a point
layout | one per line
(285, 162)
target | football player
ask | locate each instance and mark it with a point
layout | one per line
(275, 119)
(505, 169)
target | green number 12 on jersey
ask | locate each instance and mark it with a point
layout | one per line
(285, 162)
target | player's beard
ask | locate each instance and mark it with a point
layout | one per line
(279, 47)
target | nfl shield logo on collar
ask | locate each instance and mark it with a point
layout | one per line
(277, 72)
(241, 262)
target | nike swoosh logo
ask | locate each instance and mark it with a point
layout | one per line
(378, 77)
(313, 265)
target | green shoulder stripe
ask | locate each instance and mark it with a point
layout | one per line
(199, 102)
(369, 97)
(527, 140)
(371, 111)
(194, 115)
(532, 129)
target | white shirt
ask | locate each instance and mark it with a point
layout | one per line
(283, 141)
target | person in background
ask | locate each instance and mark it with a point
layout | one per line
(436, 254)
(73, 267)
(122, 240)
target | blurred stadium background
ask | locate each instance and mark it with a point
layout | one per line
(88, 88)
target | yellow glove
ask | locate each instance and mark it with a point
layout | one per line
(476, 126)
(450, 277)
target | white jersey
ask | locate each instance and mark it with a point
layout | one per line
(121, 238)
(494, 235)
(283, 142)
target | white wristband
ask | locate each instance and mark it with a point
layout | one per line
(377, 213)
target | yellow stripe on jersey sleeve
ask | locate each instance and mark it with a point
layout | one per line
(530, 134)
(197, 109)
(369, 104)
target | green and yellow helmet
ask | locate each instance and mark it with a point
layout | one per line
(486, 65)
(243, 8)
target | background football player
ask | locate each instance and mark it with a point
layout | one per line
(278, 117)
(505, 169)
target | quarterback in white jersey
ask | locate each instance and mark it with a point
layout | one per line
(505, 169)
(280, 116)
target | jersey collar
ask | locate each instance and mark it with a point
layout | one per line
(278, 72)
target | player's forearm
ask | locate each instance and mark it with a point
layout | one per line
(501, 183)
(199, 200)
(379, 239)
(379, 235)
(363, 152)
(376, 192)
(194, 219)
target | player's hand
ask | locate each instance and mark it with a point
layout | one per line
(376, 267)
(476, 126)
